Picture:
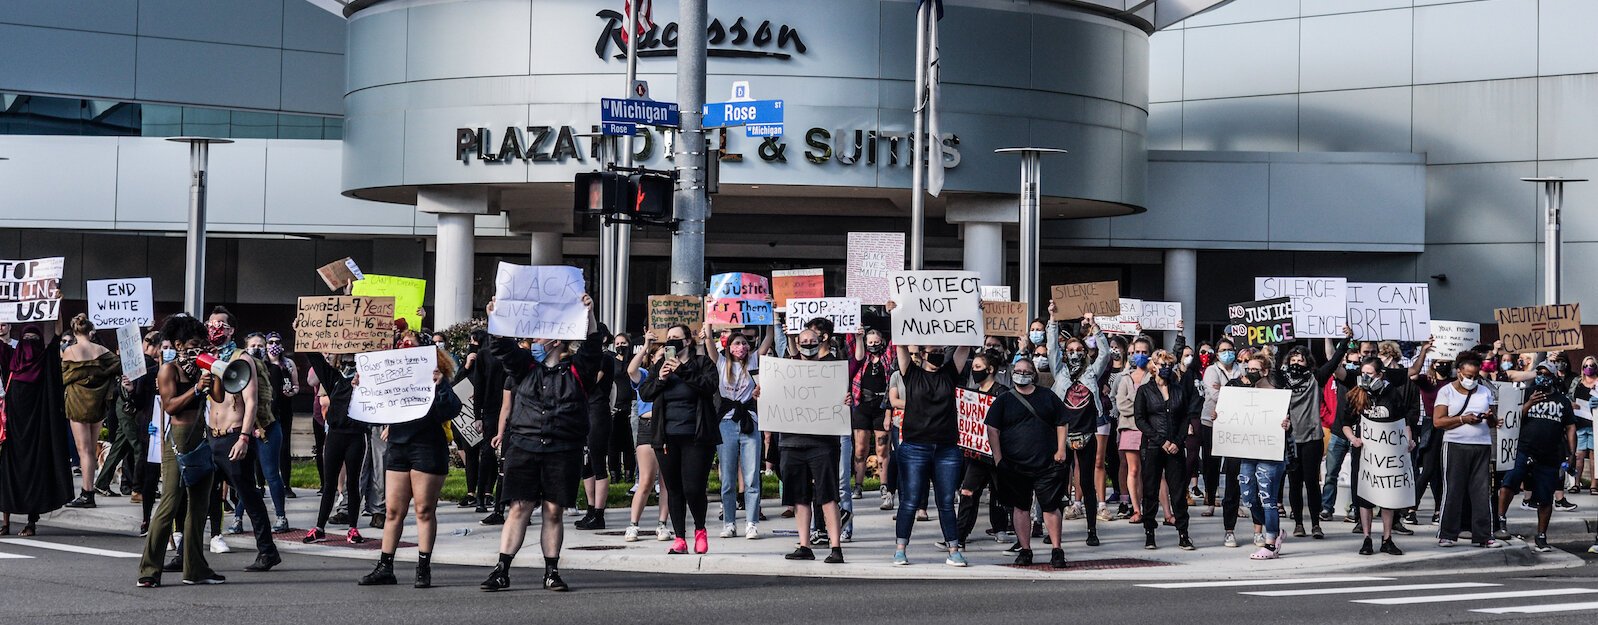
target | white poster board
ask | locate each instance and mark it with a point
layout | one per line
(1320, 306)
(1248, 423)
(873, 257)
(466, 423)
(29, 289)
(1506, 438)
(996, 293)
(1159, 315)
(971, 411)
(116, 303)
(396, 385)
(1124, 323)
(803, 396)
(1386, 477)
(1389, 311)
(544, 302)
(152, 449)
(1449, 338)
(937, 308)
(844, 312)
(130, 348)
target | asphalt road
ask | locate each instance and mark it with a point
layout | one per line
(44, 585)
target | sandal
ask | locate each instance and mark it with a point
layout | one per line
(5, 529)
(28, 530)
(1263, 554)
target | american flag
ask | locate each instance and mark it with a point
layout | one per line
(645, 17)
(931, 12)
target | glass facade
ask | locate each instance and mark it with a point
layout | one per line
(44, 115)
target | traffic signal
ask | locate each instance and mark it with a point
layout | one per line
(600, 192)
(642, 197)
(650, 197)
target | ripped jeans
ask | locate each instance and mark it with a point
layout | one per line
(1257, 484)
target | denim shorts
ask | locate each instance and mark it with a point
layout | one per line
(1584, 439)
(1543, 478)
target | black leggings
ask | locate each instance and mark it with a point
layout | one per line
(978, 476)
(1086, 488)
(1210, 462)
(1170, 469)
(1304, 479)
(488, 479)
(597, 464)
(685, 467)
(348, 451)
(149, 485)
(1431, 472)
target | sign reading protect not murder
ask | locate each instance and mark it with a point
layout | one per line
(539, 302)
(116, 303)
(804, 397)
(937, 308)
(30, 289)
(395, 386)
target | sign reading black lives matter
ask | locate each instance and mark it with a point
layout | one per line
(937, 308)
(544, 302)
(1386, 477)
(1261, 322)
(1248, 423)
(30, 289)
(804, 397)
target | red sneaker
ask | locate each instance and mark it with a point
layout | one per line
(354, 537)
(701, 542)
(678, 547)
(314, 535)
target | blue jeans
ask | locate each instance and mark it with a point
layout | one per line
(271, 468)
(845, 473)
(919, 463)
(1258, 481)
(1336, 451)
(739, 453)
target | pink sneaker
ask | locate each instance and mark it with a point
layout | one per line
(678, 547)
(1278, 545)
(701, 542)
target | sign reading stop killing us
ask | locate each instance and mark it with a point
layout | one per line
(1386, 477)
(1248, 423)
(115, 303)
(804, 397)
(1263, 322)
(30, 289)
(937, 308)
(395, 385)
(543, 302)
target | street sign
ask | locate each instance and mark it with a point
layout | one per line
(640, 90)
(618, 129)
(764, 112)
(646, 112)
(763, 130)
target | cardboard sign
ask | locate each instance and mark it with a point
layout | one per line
(1124, 323)
(666, 311)
(999, 293)
(339, 273)
(1386, 476)
(971, 410)
(343, 324)
(1389, 311)
(796, 283)
(1264, 322)
(1540, 328)
(1320, 305)
(1506, 438)
(466, 423)
(873, 257)
(1160, 315)
(1072, 301)
(116, 303)
(1004, 319)
(395, 385)
(28, 289)
(1248, 423)
(130, 348)
(739, 299)
(1449, 338)
(538, 303)
(407, 294)
(937, 308)
(844, 312)
(804, 397)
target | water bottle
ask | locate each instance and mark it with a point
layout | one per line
(461, 531)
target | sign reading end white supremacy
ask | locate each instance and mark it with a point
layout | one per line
(1386, 477)
(115, 303)
(804, 397)
(539, 303)
(1248, 423)
(937, 308)
(396, 385)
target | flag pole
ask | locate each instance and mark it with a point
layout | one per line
(918, 144)
(621, 242)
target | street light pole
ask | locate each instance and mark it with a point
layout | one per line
(1553, 192)
(194, 276)
(1031, 200)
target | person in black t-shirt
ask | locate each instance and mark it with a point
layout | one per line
(1547, 435)
(1027, 430)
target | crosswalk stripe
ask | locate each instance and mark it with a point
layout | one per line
(1267, 582)
(1301, 592)
(29, 542)
(1540, 609)
(14, 556)
(1514, 594)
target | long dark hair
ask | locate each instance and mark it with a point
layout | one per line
(1359, 399)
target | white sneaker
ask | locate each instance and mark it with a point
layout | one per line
(752, 531)
(1231, 540)
(1259, 540)
(632, 534)
(729, 530)
(662, 534)
(219, 546)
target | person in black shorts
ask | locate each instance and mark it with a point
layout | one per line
(1547, 439)
(870, 365)
(596, 467)
(1027, 431)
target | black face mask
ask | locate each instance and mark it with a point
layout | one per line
(1297, 371)
(877, 348)
(980, 376)
(1251, 377)
(1166, 371)
(624, 350)
(935, 359)
(676, 344)
(1444, 371)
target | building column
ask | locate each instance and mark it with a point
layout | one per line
(546, 249)
(457, 212)
(1181, 285)
(984, 250)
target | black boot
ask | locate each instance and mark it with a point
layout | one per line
(498, 579)
(1024, 558)
(382, 574)
(1093, 538)
(1148, 540)
(1057, 558)
(552, 580)
(586, 522)
(424, 574)
(85, 500)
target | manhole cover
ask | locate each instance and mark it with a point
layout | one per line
(1094, 565)
(597, 548)
(615, 533)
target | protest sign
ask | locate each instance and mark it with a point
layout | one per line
(1506, 437)
(1389, 311)
(1004, 319)
(544, 302)
(130, 348)
(395, 385)
(998, 293)
(1386, 477)
(844, 312)
(115, 303)
(873, 256)
(407, 294)
(1248, 423)
(1449, 338)
(1540, 328)
(796, 283)
(666, 311)
(937, 308)
(1072, 301)
(467, 426)
(803, 396)
(343, 324)
(1263, 322)
(1124, 323)
(971, 410)
(739, 299)
(30, 289)
(1160, 315)
(339, 273)
(1320, 305)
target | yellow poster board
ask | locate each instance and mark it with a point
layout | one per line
(407, 294)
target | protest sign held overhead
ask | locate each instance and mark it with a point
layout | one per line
(873, 256)
(1073, 301)
(1449, 338)
(30, 290)
(1004, 319)
(1263, 322)
(843, 312)
(395, 385)
(1124, 323)
(1248, 423)
(995, 293)
(796, 283)
(1320, 306)
(1386, 476)
(130, 348)
(539, 302)
(937, 308)
(1389, 311)
(1506, 437)
(339, 274)
(666, 311)
(739, 299)
(804, 397)
(1540, 328)
(1160, 315)
(407, 294)
(343, 324)
(115, 303)
(971, 411)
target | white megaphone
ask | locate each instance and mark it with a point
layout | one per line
(235, 375)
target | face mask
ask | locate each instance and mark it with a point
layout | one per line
(258, 353)
(539, 352)
(809, 351)
(218, 334)
(1115, 354)
(1187, 361)
(1206, 359)
(1543, 381)
(1351, 366)
(740, 350)
(996, 353)
(1444, 371)
(168, 355)
(1251, 377)
(1297, 370)
(1468, 384)
(877, 348)
(676, 344)
(1036, 336)
(1508, 365)
(1042, 363)
(1372, 383)
(935, 359)
(275, 351)
(624, 350)
(1167, 371)
(1228, 357)
(347, 368)
(980, 376)
(1075, 358)
(1140, 360)
(1589, 371)
(1024, 379)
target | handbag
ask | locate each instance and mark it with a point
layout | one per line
(195, 464)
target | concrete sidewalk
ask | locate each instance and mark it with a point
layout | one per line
(1120, 557)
